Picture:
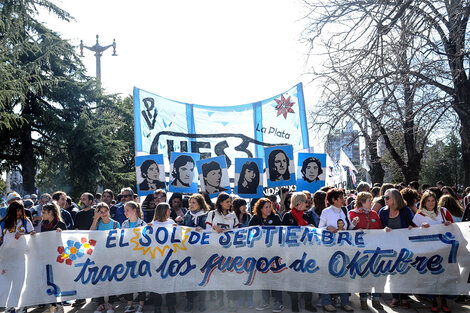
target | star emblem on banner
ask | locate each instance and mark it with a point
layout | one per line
(284, 106)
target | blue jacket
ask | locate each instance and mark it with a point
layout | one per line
(406, 217)
(188, 220)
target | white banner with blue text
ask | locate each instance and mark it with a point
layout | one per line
(53, 266)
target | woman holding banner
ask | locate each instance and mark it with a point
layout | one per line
(297, 216)
(264, 214)
(368, 219)
(396, 215)
(329, 219)
(430, 214)
(222, 219)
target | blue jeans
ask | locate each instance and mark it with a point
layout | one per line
(325, 299)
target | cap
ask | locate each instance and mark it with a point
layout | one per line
(26, 197)
(34, 196)
(28, 203)
(13, 196)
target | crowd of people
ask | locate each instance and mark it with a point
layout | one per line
(381, 206)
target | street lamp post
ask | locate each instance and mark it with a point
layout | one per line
(98, 49)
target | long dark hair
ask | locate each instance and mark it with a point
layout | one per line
(273, 173)
(10, 218)
(221, 198)
(253, 167)
(236, 205)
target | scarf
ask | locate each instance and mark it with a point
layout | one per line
(362, 210)
(195, 216)
(431, 214)
(298, 217)
(48, 226)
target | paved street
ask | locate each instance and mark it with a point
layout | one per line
(416, 306)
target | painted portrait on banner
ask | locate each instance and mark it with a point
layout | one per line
(150, 173)
(249, 177)
(183, 172)
(213, 175)
(311, 171)
(279, 166)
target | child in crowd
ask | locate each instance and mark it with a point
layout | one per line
(133, 213)
(14, 225)
(103, 221)
(162, 219)
(51, 220)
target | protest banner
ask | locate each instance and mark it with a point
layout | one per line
(51, 267)
(162, 126)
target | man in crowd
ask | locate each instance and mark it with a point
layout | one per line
(71, 207)
(159, 196)
(61, 198)
(83, 221)
(361, 187)
(117, 211)
(107, 197)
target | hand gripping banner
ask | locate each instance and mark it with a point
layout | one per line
(240, 131)
(52, 267)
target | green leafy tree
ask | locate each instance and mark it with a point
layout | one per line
(443, 161)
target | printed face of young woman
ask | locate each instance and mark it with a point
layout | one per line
(129, 212)
(249, 175)
(193, 205)
(266, 209)
(153, 172)
(186, 173)
(213, 178)
(226, 204)
(280, 163)
(430, 203)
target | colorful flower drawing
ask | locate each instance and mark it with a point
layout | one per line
(74, 250)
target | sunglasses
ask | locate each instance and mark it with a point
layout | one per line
(386, 197)
(126, 196)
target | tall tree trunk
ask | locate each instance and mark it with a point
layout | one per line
(465, 138)
(376, 172)
(27, 157)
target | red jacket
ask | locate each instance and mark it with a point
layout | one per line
(372, 217)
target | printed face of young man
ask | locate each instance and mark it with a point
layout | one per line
(280, 163)
(153, 172)
(186, 173)
(213, 178)
(311, 171)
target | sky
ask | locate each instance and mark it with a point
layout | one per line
(204, 52)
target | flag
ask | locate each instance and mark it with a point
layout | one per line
(353, 176)
(345, 161)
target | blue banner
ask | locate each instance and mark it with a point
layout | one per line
(240, 131)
